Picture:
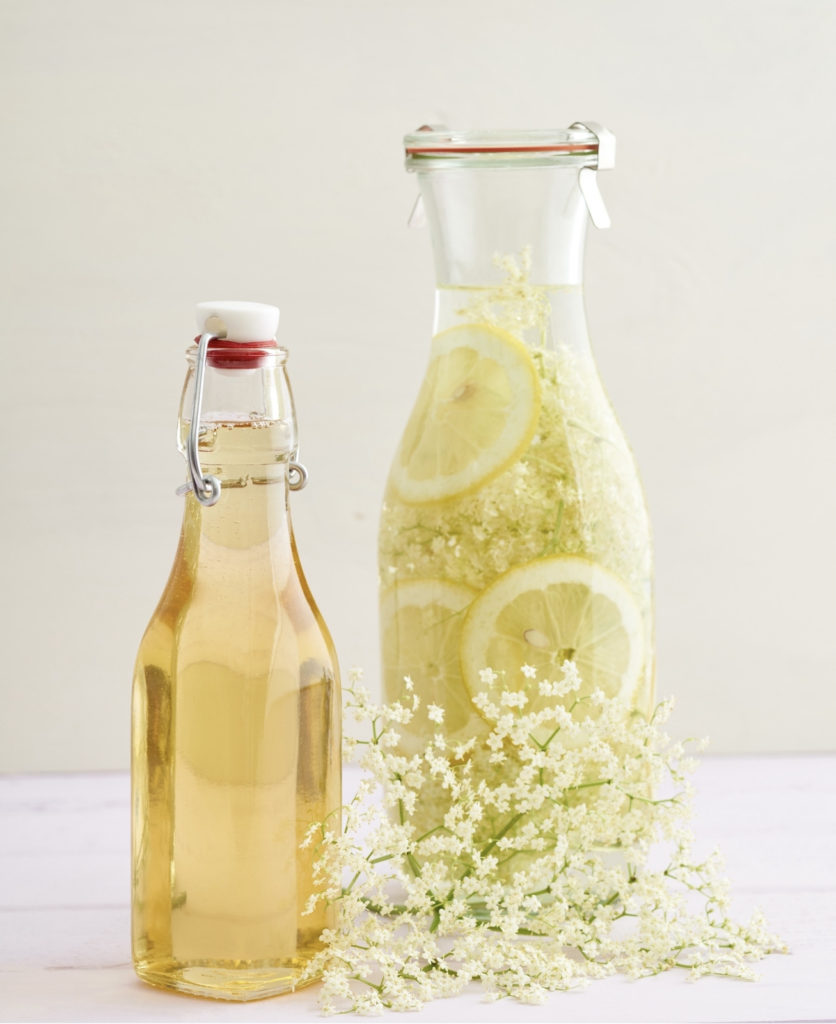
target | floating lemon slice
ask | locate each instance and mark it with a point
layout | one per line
(475, 414)
(550, 611)
(421, 624)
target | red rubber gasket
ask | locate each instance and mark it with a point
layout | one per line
(239, 355)
(569, 147)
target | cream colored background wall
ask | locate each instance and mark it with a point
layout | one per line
(156, 154)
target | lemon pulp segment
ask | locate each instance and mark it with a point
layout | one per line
(550, 611)
(475, 414)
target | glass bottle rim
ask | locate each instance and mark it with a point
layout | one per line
(240, 355)
(443, 147)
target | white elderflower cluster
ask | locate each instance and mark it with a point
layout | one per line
(573, 491)
(534, 879)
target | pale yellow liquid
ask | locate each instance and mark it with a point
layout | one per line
(236, 742)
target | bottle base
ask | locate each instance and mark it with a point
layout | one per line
(236, 981)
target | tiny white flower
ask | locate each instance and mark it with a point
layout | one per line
(448, 858)
(529, 671)
(435, 713)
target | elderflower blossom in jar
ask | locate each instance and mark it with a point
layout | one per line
(514, 529)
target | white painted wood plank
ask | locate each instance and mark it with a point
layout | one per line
(64, 952)
(65, 939)
(64, 840)
(774, 818)
(73, 965)
(797, 987)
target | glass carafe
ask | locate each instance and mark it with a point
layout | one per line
(236, 706)
(514, 531)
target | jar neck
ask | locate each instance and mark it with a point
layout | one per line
(508, 245)
(479, 216)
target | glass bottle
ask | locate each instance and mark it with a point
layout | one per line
(514, 530)
(236, 707)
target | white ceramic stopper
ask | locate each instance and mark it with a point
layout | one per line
(238, 321)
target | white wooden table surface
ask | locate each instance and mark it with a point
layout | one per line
(64, 917)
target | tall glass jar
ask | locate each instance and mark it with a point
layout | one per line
(514, 534)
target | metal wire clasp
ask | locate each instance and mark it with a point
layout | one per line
(297, 476)
(207, 489)
(587, 176)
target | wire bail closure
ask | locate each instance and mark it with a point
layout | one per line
(588, 176)
(207, 488)
(297, 476)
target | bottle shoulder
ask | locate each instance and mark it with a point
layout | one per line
(257, 624)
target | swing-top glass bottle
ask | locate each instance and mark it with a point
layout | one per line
(236, 710)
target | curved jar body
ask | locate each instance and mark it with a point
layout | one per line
(514, 530)
(236, 726)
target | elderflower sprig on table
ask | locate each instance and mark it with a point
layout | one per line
(541, 870)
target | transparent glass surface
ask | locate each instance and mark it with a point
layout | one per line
(514, 529)
(236, 722)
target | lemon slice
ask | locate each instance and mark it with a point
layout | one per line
(420, 634)
(550, 611)
(475, 414)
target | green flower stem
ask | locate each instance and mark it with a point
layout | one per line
(551, 546)
(502, 833)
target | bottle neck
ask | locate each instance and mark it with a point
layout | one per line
(247, 438)
(241, 548)
(251, 517)
(248, 389)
